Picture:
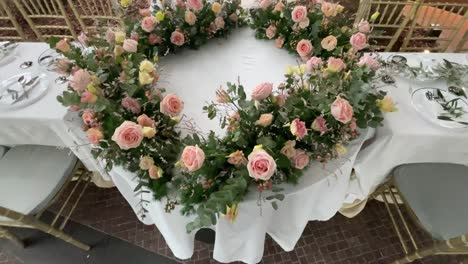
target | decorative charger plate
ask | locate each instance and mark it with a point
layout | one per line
(433, 111)
(10, 86)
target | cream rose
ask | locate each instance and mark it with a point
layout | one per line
(288, 149)
(192, 158)
(149, 132)
(298, 128)
(119, 36)
(128, 135)
(216, 8)
(335, 65)
(237, 158)
(130, 45)
(190, 18)
(63, 45)
(146, 162)
(145, 78)
(329, 43)
(94, 135)
(264, 120)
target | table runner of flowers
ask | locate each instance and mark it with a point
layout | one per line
(273, 134)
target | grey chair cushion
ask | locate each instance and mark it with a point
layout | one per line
(3, 150)
(438, 195)
(30, 176)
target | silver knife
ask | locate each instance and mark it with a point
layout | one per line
(26, 91)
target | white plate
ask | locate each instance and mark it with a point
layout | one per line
(35, 92)
(430, 110)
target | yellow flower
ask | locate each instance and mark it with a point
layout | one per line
(146, 66)
(347, 75)
(149, 132)
(387, 104)
(125, 3)
(119, 36)
(289, 70)
(232, 212)
(145, 78)
(374, 16)
(176, 119)
(216, 8)
(160, 16)
(340, 149)
(91, 88)
(300, 70)
(258, 147)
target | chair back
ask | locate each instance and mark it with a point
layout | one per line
(46, 18)
(91, 13)
(415, 25)
(9, 26)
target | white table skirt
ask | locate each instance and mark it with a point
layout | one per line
(407, 138)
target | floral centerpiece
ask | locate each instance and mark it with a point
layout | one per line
(272, 135)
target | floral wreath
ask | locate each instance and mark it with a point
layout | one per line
(272, 134)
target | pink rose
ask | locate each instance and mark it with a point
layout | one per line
(83, 39)
(271, 31)
(88, 98)
(134, 36)
(335, 65)
(329, 43)
(320, 125)
(190, 17)
(264, 4)
(63, 45)
(369, 61)
(128, 135)
(94, 135)
(299, 14)
(264, 120)
(298, 128)
(148, 23)
(219, 22)
(262, 91)
(74, 108)
(145, 12)
(155, 172)
(313, 63)
(192, 158)
(131, 104)
(81, 79)
(180, 3)
(304, 48)
(364, 26)
(195, 4)
(261, 165)
(130, 45)
(88, 117)
(144, 121)
(177, 38)
(281, 99)
(279, 42)
(110, 36)
(300, 160)
(341, 110)
(358, 41)
(154, 39)
(172, 105)
(279, 6)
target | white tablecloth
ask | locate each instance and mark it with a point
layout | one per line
(195, 75)
(407, 138)
(45, 122)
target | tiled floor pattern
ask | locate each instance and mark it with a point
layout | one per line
(367, 238)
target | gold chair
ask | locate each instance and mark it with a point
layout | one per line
(435, 196)
(39, 13)
(11, 25)
(437, 26)
(32, 178)
(390, 23)
(95, 11)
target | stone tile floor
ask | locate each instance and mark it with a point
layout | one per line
(366, 238)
